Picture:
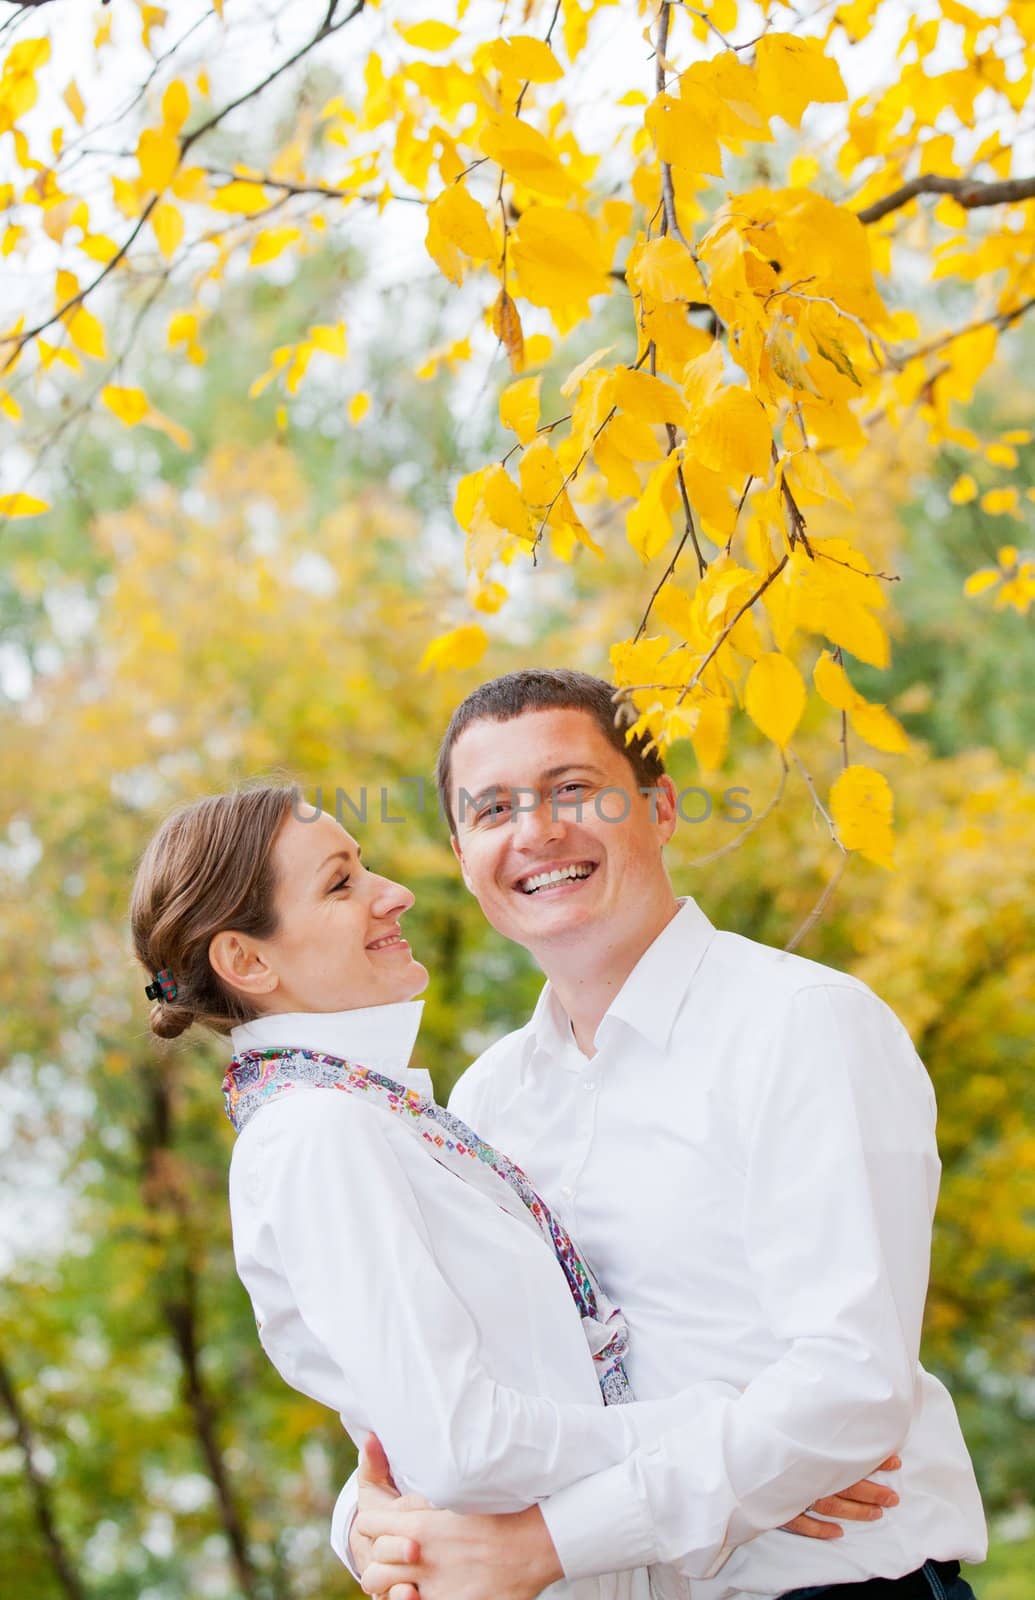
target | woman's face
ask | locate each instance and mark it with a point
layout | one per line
(338, 946)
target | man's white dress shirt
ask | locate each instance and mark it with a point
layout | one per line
(390, 1290)
(749, 1162)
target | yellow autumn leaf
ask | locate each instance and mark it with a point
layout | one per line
(241, 197)
(963, 490)
(862, 808)
(561, 257)
(429, 35)
(526, 155)
(10, 408)
(456, 650)
(576, 375)
(271, 243)
(21, 505)
(457, 229)
(158, 153)
(175, 106)
(648, 398)
(794, 72)
(731, 435)
(775, 697)
(167, 222)
(504, 504)
(540, 472)
(833, 684)
(86, 333)
(523, 56)
(359, 405)
(979, 581)
(648, 525)
(129, 405)
(519, 408)
(98, 247)
(331, 338)
(878, 727)
(665, 270)
(506, 325)
(1000, 502)
(74, 101)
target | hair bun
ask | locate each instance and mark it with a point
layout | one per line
(169, 1019)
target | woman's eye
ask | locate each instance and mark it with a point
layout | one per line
(342, 883)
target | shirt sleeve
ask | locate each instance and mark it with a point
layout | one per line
(841, 1177)
(389, 1342)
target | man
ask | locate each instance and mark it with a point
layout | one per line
(743, 1143)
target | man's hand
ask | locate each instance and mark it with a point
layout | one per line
(377, 1492)
(506, 1557)
(861, 1502)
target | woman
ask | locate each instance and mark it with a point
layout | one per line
(455, 1320)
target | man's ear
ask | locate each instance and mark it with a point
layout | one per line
(460, 857)
(666, 801)
(240, 963)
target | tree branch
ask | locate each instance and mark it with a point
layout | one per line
(969, 193)
(39, 1489)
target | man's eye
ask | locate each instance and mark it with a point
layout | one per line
(580, 786)
(342, 883)
(493, 812)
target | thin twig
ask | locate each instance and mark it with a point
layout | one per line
(769, 578)
(748, 828)
(969, 193)
(821, 905)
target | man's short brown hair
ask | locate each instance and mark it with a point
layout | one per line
(546, 689)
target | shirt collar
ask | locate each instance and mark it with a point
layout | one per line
(650, 998)
(378, 1037)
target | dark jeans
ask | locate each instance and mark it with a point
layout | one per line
(935, 1580)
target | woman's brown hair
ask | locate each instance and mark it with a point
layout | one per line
(209, 867)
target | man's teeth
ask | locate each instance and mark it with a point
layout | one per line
(541, 879)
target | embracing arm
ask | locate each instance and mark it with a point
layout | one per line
(390, 1343)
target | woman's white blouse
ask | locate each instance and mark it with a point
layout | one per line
(388, 1289)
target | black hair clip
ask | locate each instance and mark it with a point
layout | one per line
(164, 986)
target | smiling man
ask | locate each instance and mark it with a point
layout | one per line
(743, 1143)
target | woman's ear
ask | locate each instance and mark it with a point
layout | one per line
(240, 963)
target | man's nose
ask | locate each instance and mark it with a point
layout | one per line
(535, 818)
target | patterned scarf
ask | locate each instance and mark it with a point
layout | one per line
(257, 1076)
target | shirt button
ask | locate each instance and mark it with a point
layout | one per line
(567, 1192)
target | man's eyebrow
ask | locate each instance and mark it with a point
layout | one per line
(495, 789)
(340, 855)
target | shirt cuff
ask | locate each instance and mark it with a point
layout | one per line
(346, 1510)
(599, 1524)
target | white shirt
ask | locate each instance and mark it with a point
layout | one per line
(406, 1300)
(749, 1163)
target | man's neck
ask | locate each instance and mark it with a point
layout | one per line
(586, 979)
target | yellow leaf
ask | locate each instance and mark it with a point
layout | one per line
(129, 405)
(648, 398)
(488, 596)
(330, 338)
(984, 579)
(540, 474)
(167, 222)
(183, 328)
(523, 56)
(775, 696)
(792, 73)
(526, 155)
(13, 235)
(681, 136)
(833, 684)
(506, 325)
(98, 247)
(561, 257)
(86, 333)
(648, 525)
(519, 408)
(10, 408)
(812, 480)
(731, 435)
(878, 727)
(359, 405)
(999, 502)
(21, 505)
(175, 106)
(963, 490)
(431, 36)
(576, 375)
(1001, 455)
(1006, 555)
(504, 504)
(241, 197)
(458, 649)
(862, 808)
(158, 153)
(458, 228)
(665, 270)
(74, 101)
(271, 243)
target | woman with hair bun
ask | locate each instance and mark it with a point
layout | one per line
(455, 1320)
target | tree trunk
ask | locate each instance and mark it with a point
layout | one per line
(39, 1491)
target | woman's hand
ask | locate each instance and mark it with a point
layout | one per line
(861, 1502)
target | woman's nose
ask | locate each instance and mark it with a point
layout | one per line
(391, 897)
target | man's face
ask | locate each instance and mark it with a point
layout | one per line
(546, 793)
